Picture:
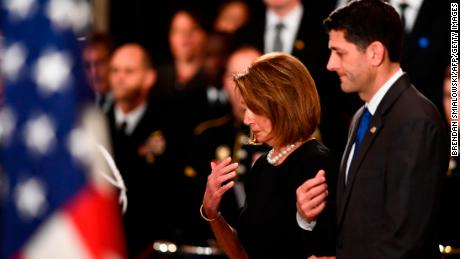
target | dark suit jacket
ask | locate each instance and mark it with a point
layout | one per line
(152, 187)
(425, 54)
(387, 208)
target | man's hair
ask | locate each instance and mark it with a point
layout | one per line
(147, 61)
(366, 21)
(279, 87)
(101, 39)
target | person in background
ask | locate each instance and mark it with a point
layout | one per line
(391, 171)
(181, 86)
(231, 16)
(219, 138)
(142, 146)
(450, 194)
(187, 41)
(425, 51)
(97, 51)
(213, 98)
(282, 109)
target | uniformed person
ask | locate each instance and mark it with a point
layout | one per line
(216, 139)
(142, 150)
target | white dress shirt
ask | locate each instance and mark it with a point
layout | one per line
(132, 118)
(291, 23)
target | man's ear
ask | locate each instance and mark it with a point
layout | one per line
(150, 78)
(376, 52)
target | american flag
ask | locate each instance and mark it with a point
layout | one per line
(52, 205)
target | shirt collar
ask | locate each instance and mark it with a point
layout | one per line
(377, 98)
(290, 20)
(131, 118)
(416, 4)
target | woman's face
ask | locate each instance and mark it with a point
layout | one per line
(260, 125)
(186, 37)
(232, 17)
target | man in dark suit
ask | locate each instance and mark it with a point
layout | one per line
(295, 27)
(396, 155)
(142, 149)
(425, 52)
(96, 56)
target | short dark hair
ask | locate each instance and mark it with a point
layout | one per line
(196, 14)
(366, 21)
(100, 38)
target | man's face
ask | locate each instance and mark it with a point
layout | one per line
(350, 63)
(96, 58)
(128, 74)
(237, 63)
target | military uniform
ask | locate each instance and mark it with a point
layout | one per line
(186, 105)
(144, 158)
(214, 140)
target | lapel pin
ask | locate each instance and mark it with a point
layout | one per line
(299, 44)
(373, 130)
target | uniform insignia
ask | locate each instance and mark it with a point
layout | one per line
(212, 94)
(242, 154)
(244, 139)
(373, 130)
(153, 147)
(299, 44)
(241, 169)
(222, 152)
(189, 172)
(423, 42)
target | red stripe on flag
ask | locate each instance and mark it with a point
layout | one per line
(97, 216)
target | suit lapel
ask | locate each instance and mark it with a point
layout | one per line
(350, 141)
(375, 127)
(343, 163)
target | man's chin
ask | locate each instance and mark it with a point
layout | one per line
(346, 89)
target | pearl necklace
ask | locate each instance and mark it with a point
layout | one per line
(275, 159)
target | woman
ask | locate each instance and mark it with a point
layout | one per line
(282, 110)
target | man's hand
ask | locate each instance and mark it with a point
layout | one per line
(311, 197)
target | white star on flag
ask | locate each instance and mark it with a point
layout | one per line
(7, 124)
(39, 134)
(30, 199)
(14, 58)
(19, 9)
(73, 14)
(52, 71)
(79, 146)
